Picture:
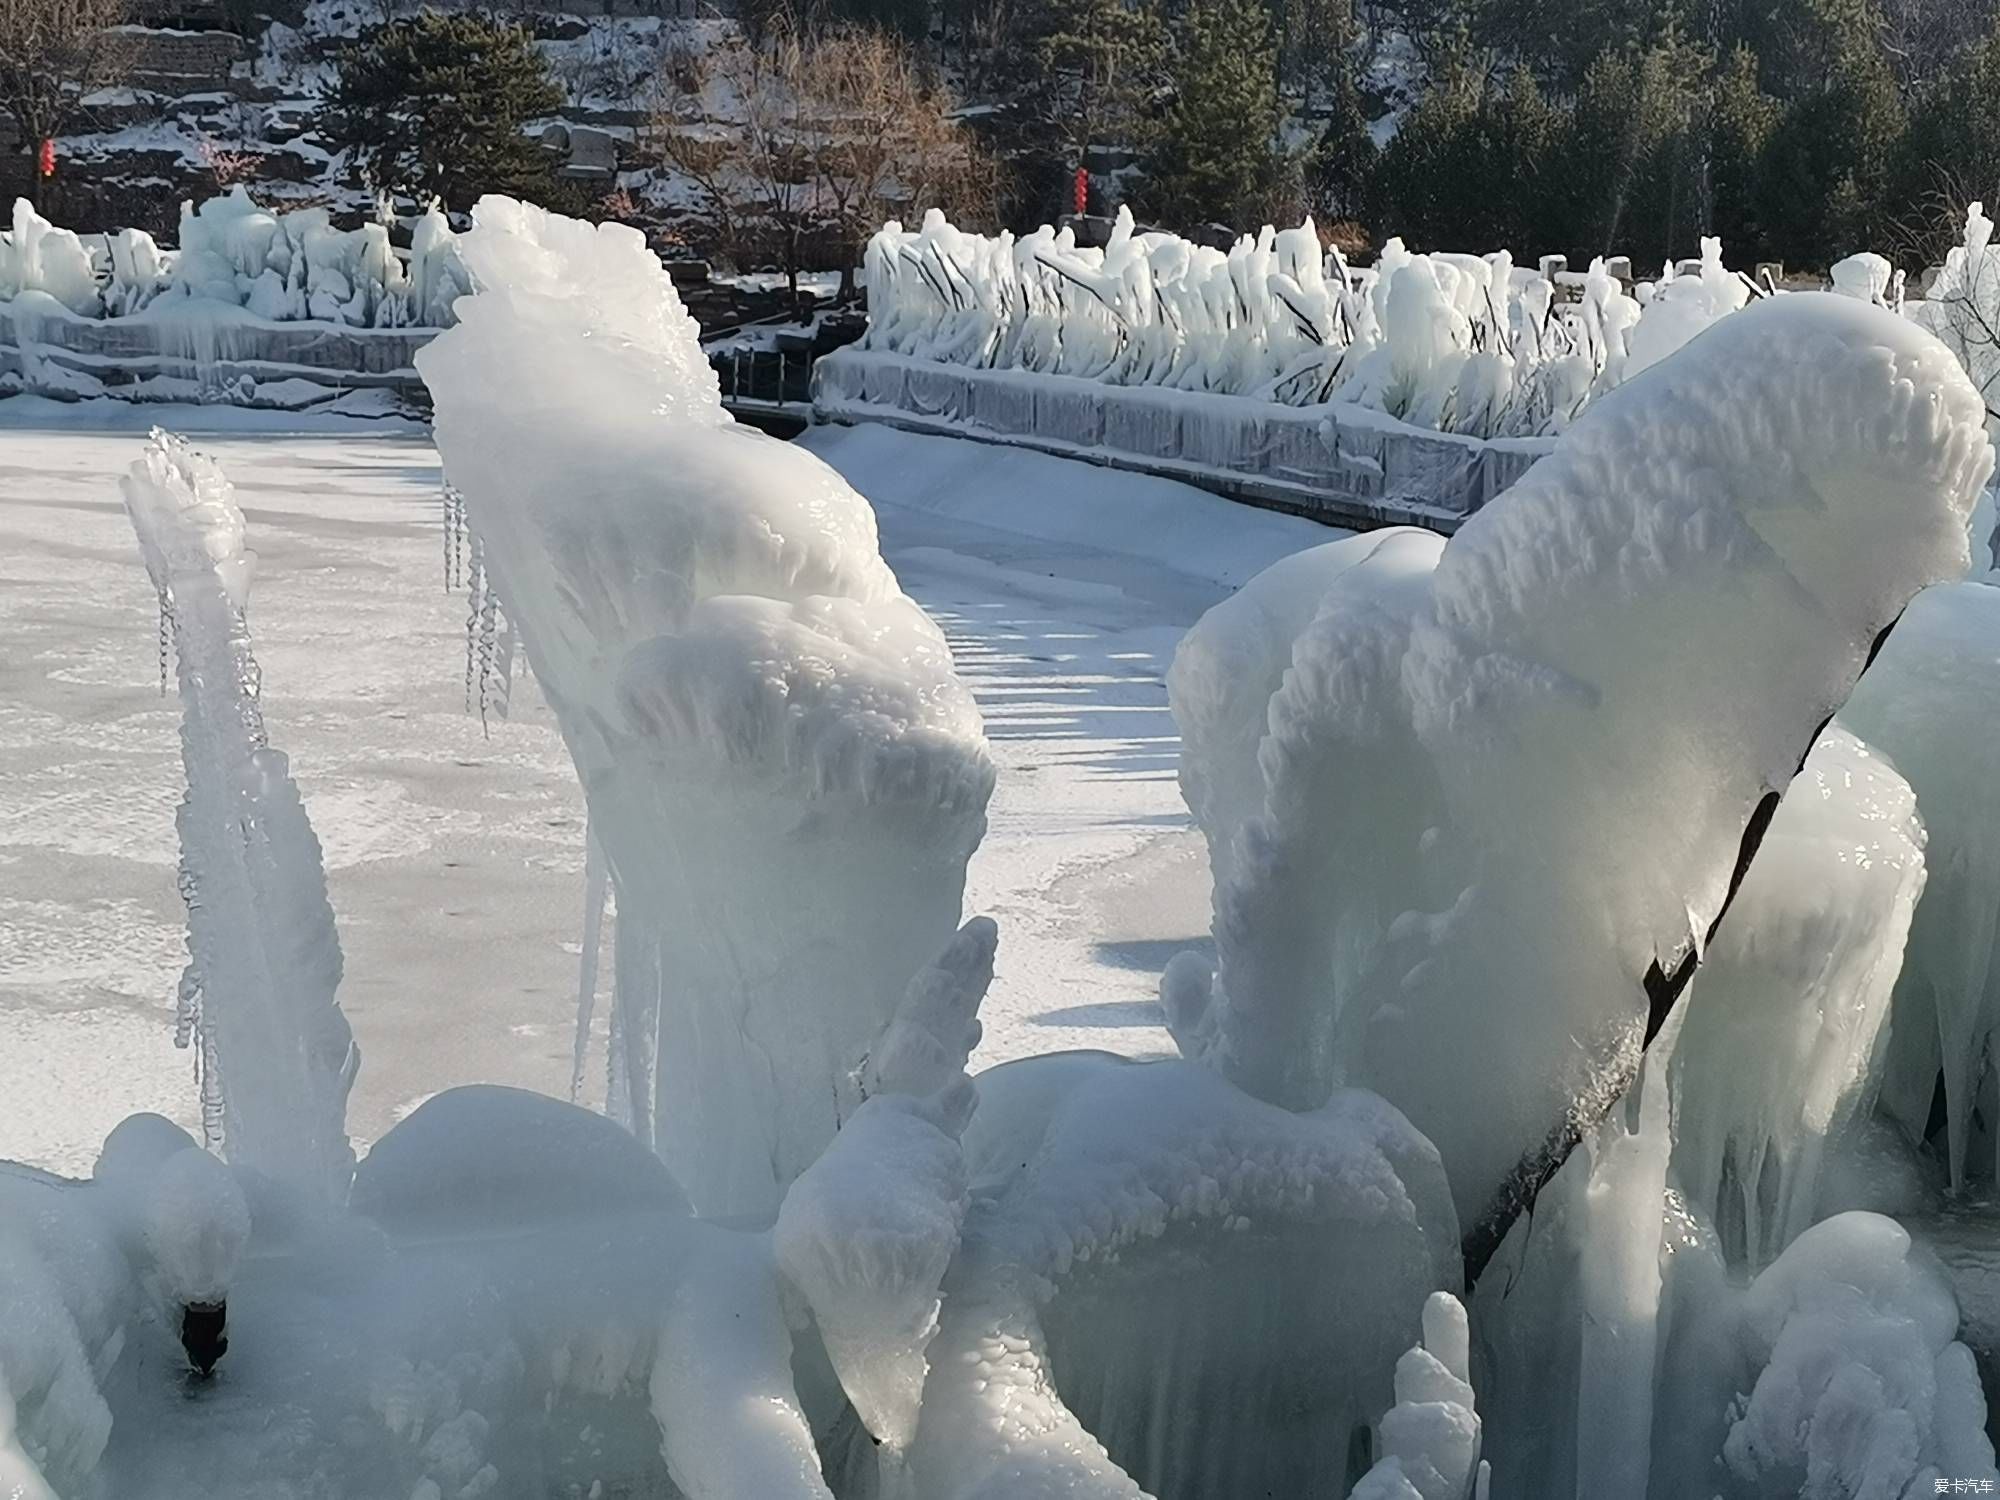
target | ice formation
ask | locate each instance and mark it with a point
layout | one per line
(1860, 1388)
(784, 772)
(149, 1246)
(1763, 504)
(278, 267)
(1962, 306)
(258, 996)
(1430, 1437)
(1154, 1264)
(1936, 691)
(1459, 343)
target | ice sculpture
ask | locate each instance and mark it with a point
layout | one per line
(1932, 698)
(783, 770)
(258, 996)
(1572, 724)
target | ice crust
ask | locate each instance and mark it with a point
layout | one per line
(1630, 654)
(259, 995)
(785, 772)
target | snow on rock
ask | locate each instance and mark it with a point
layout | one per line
(785, 770)
(1153, 1264)
(1632, 654)
(1860, 1388)
(258, 998)
(1933, 695)
(158, 1229)
(1430, 1438)
(484, 1155)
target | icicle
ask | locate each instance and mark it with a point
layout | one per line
(187, 1006)
(595, 889)
(452, 503)
(476, 589)
(496, 659)
(209, 1079)
(166, 598)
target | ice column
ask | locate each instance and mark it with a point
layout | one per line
(263, 957)
(783, 769)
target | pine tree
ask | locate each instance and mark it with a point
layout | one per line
(1217, 154)
(1344, 162)
(1823, 180)
(434, 106)
(1950, 155)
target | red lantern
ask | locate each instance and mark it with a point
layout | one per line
(47, 158)
(1082, 190)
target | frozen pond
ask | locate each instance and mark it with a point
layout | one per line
(455, 855)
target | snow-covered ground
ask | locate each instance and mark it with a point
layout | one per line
(454, 857)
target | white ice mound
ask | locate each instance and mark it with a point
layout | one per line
(487, 1157)
(1167, 1283)
(85, 1266)
(1859, 1387)
(1932, 703)
(259, 993)
(1506, 796)
(784, 770)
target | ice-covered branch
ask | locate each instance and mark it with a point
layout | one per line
(263, 957)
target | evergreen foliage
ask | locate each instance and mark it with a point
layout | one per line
(433, 107)
(1218, 154)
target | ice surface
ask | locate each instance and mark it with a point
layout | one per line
(263, 959)
(1714, 548)
(488, 1156)
(784, 770)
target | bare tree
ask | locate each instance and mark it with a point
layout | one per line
(827, 134)
(53, 54)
